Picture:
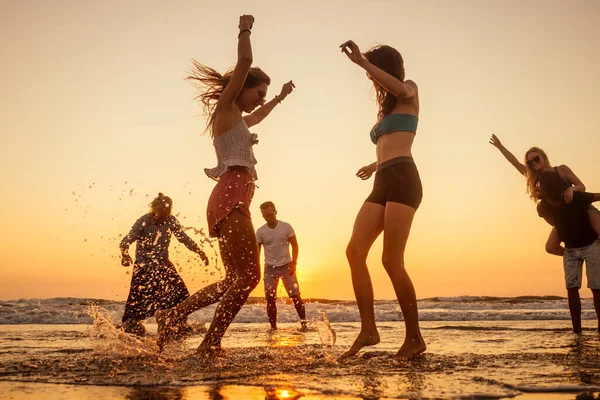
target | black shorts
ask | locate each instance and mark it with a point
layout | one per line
(397, 180)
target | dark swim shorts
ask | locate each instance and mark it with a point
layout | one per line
(397, 180)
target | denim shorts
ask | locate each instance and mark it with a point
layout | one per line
(272, 275)
(573, 259)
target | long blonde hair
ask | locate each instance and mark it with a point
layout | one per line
(211, 84)
(532, 175)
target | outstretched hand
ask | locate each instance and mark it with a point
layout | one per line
(353, 52)
(204, 257)
(365, 172)
(246, 22)
(495, 141)
(286, 89)
(126, 260)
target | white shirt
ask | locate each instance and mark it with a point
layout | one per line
(276, 243)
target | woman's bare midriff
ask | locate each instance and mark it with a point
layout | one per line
(392, 145)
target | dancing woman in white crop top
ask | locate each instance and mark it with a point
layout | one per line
(225, 98)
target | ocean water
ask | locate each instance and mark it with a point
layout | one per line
(465, 308)
(478, 347)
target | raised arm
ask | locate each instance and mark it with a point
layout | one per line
(242, 66)
(262, 112)
(508, 155)
(402, 90)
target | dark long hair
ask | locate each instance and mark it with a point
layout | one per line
(551, 185)
(211, 84)
(389, 60)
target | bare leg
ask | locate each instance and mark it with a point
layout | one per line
(595, 220)
(271, 282)
(240, 241)
(272, 311)
(134, 327)
(368, 225)
(398, 220)
(596, 295)
(575, 308)
(300, 309)
(553, 243)
(170, 321)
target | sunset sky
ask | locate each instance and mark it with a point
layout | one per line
(97, 119)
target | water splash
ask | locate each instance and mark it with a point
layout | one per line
(108, 337)
(326, 332)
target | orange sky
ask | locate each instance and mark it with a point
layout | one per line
(94, 103)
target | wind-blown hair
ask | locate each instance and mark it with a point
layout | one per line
(211, 84)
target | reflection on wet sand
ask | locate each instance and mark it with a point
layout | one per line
(284, 338)
(156, 393)
(228, 392)
(501, 360)
(35, 391)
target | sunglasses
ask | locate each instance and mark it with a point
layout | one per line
(534, 160)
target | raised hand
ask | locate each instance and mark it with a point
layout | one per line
(353, 52)
(246, 22)
(495, 141)
(365, 172)
(286, 89)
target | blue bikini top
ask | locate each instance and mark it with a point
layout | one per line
(394, 123)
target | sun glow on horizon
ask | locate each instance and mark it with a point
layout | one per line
(98, 121)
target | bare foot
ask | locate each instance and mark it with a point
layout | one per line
(168, 327)
(210, 352)
(411, 348)
(363, 339)
(134, 328)
(181, 330)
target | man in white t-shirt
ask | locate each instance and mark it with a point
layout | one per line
(277, 236)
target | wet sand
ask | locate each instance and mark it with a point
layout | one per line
(525, 359)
